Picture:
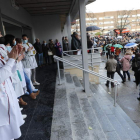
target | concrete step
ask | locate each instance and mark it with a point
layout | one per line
(118, 111)
(89, 114)
(121, 126)
(105, 116)
(61, 125)
(79, 127)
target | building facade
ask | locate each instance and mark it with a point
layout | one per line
(108, 21)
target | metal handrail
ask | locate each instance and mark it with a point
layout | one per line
(88, 71)
(79, 59)
(87, 49)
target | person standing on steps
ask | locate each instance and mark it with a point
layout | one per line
(111, 65)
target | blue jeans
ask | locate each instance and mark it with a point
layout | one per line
(28, 84)
(40, 59)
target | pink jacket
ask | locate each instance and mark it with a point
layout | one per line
(126, 62)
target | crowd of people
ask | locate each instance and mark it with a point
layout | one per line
(47, 51)
(121, 64)
(18, 62)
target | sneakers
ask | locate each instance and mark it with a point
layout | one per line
(24, 116)
(36, 83)
(35, 90)
(21, 109)
(21, 102)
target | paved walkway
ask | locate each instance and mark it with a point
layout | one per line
(127, 95)
(39, 112)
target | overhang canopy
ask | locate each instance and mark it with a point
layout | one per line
(51, 7)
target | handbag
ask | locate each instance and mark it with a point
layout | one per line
(50, 53)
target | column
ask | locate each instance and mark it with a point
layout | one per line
(82, 14)
(1, 24)
(69, 30)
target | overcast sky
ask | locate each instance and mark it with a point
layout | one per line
(113, 5)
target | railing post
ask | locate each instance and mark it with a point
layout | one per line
(58, 72)
(92, 60)
(115, 95)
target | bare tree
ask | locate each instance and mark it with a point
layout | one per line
(122, 20)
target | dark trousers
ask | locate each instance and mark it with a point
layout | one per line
(112, 53)
(107, 55)
(47, 59)
(52, 59)
(110, 75)
(124, 74)
(119, 73)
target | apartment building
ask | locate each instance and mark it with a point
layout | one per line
(108, 21)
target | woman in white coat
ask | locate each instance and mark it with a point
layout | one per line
(10, 114)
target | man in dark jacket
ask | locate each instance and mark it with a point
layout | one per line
(75, 43)
(136, 69)
(39, 51)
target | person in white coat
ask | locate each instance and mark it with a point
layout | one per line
(9, 42)
(30, 62)
(10, 114)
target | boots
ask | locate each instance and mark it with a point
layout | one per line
(33, 95)
(21, 102)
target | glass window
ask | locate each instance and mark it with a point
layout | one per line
(101, 18)
(101, 23)
(138, 15)
(109, 17)
(134, 15)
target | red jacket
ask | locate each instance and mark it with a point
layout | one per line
(112, 49)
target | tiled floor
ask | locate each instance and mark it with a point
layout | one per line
(39, 112)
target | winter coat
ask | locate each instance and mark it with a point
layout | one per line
(52, 48)
(111, 65)
(75, 43)
(58, 49)
(136, 69)
(65, 45)
(126, 62)
(45, 49)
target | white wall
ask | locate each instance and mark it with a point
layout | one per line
(47, 27)
(20, 15)
(65, 32)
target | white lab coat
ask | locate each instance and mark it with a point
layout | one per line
(29, 61)
(10, 114)
(15, 79)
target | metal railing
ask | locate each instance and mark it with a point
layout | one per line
(81, 60)
(98, 48)
(116, 83)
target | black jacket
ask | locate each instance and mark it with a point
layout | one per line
(136, 69)
(75, 43)
(45, 49)
(38, 47)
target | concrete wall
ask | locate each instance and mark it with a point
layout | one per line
(47, 27)
(20, 15)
